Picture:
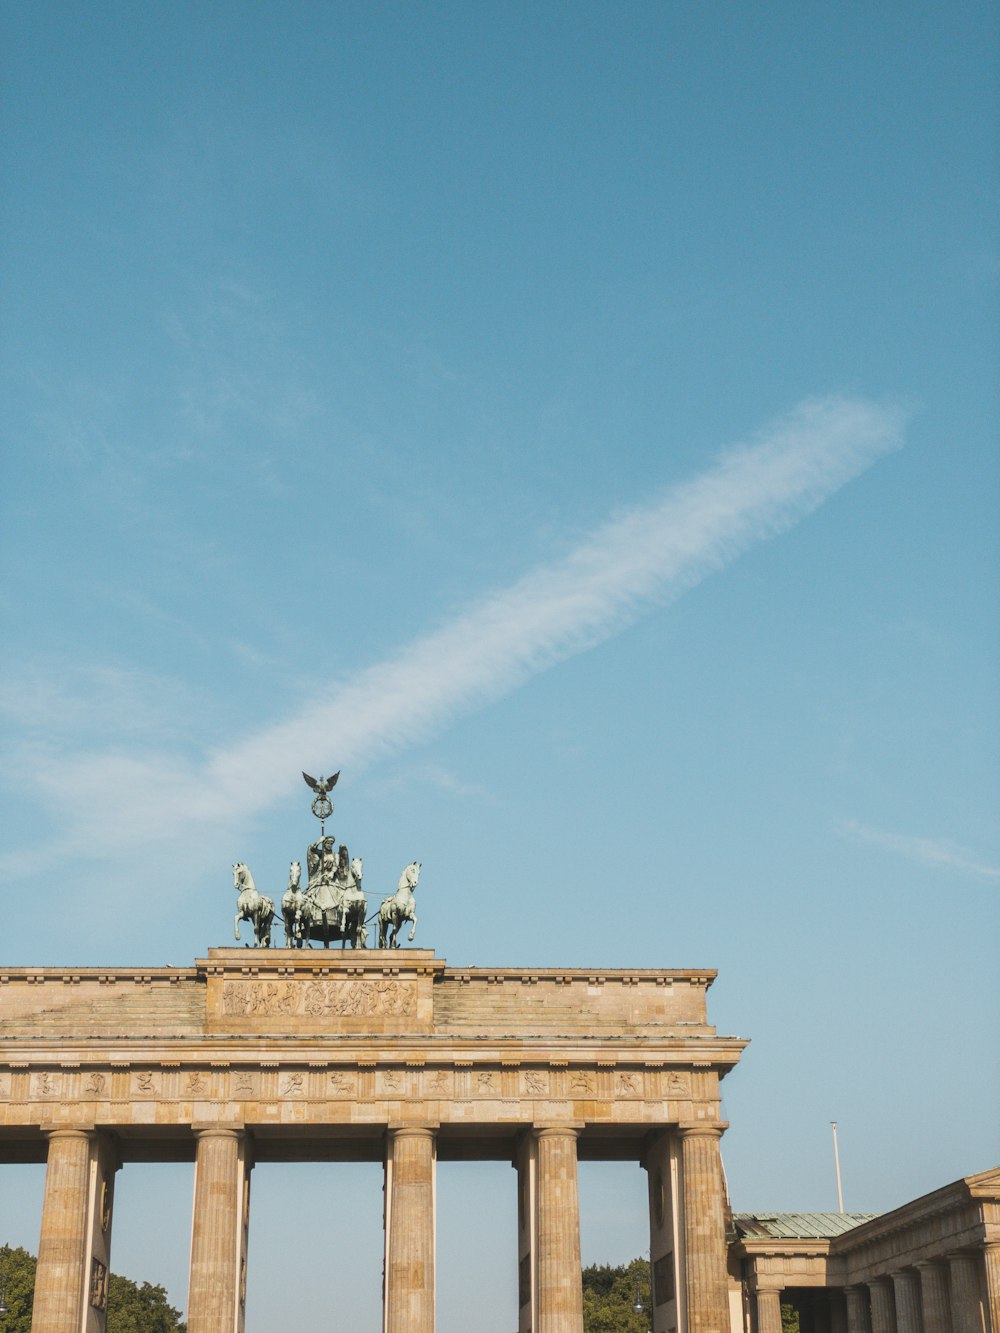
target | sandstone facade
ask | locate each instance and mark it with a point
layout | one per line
(371, 1055)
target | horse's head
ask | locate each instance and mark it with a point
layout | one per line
(408, 879)
(357, 869)
(294, 874)
(242, 879)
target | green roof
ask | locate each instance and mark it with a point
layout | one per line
(797, 1226)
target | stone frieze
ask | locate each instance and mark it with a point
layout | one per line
(326, 996)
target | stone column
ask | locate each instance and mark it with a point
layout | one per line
(991, 1257)
(883, 1306)
(560, 1281)
(705, 1274)
(966, 1303)
(409, 1264)
(216, 1288)
(838, 1311)
(906, 1286)
(935, 1303)
(768, 1312)
(61, 1278)
(858, 1316)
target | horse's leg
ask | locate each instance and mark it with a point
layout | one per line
(413, 926)
(236, 926)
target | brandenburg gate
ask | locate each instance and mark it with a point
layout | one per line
(382, 1055)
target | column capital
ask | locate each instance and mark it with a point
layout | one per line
(205, 1131)
(413, 1131)
(558, 1131)
(710, 1128)
(71, 1132)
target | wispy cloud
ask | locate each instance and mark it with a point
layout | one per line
(646, 556)
(925, 851)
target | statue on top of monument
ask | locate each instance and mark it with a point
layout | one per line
(317, 853)
(322, 806)
(252, 906)
(291, 907)
(332, 906)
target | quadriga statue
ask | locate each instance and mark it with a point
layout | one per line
(333, 906)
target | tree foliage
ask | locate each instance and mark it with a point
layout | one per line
(19, 1267)
(131, 1308)
(789, 1319)
(609, 1294)
(135, 1309)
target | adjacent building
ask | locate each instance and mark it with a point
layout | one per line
(931, 1266)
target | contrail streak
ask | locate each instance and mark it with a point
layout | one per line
(647, 556)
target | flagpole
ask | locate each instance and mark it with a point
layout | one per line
(836, 1163)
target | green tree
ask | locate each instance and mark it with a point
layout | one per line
(789, 1319)
(609, 1294)
(131, 1308)
(135, 1309)
(19, 1268)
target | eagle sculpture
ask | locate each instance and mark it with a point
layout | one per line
(322, 785)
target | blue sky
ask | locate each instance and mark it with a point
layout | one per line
(578, 424)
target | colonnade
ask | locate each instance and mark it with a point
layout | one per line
(74, 1249)
(956, 1293)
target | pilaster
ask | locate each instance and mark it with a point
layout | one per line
(526, 1163)
(660, 1160)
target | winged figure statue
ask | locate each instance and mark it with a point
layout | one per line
(322, 785)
